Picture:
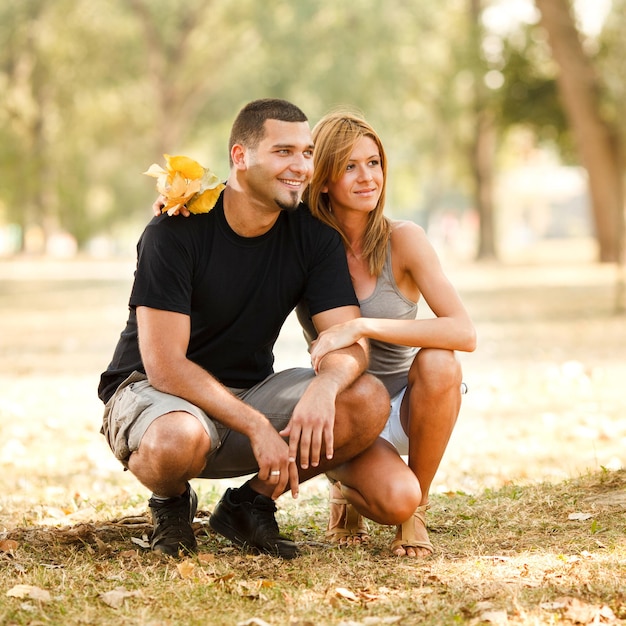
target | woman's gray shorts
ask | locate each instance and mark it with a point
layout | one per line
(136, 404)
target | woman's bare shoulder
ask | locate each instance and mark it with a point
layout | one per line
(406, 232)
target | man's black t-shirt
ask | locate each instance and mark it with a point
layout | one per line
(237, 290)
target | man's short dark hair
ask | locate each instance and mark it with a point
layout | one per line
(249, 125)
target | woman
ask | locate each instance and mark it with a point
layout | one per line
(392, 265)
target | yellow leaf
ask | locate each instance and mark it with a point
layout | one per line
(187, 167)
(177, 187)
(210, 180)
(155, 171)
(205, 201)
(185, 182)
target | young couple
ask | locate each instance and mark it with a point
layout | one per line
(190, 391)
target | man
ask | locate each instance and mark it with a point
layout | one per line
(190, 391)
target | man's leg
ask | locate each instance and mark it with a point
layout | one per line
(246, 515)
(164, 442)
(173, 450)
(361, 414)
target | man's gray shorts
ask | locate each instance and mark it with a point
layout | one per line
(136, 404)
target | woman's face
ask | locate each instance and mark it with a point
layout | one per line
(360, 185)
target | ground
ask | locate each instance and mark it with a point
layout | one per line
(545, 405)
(545, 394)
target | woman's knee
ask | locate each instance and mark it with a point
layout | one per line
(437, 370)
(399, 498)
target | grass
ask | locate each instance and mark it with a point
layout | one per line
(512, 552)
(528, 513)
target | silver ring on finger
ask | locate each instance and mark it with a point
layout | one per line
(275, 473)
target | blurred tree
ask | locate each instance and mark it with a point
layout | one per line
(483, 143)
(529, 94)
(27, 96)
(597, 139)
(94, 91)
(111, 86)
(187, 52)
(62, 95)
(611, 62)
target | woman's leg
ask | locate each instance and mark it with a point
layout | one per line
(428, 414)
(379, 484)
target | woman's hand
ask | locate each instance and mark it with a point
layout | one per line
(335, 338)
(159, 203)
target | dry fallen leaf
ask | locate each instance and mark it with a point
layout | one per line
(8, 545)
(29, 591)
(143, 543)
(579, 517)
(127, 554)
(495, 617)
(251, 589)
(342, 592)
(581, 612)
(224, 578)
(115, 598)
(206, 557)
(186, 568)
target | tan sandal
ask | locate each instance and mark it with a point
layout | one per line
(408, 538)
(349, 528)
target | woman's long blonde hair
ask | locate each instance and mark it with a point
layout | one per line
(335, 136)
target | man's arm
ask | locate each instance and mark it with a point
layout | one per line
(311, 426)
(163, 340)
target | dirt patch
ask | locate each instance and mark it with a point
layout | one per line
(545, 397)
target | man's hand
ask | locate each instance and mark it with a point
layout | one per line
(311, 426)
(273, 457)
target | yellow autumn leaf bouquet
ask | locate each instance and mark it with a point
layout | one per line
(184, 182)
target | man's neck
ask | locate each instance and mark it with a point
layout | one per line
(245, 217)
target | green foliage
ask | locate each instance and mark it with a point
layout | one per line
(96, 90)
(529, 96)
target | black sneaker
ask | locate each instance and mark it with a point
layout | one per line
(252, 525)
(172, 523)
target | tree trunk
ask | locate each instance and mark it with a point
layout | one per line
(597, 142)
(483, 146)
(483, 151)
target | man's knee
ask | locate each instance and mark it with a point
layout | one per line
(367, 401)
(174, 439)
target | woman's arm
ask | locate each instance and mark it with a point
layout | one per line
(418, 271)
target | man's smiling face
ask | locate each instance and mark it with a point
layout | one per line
(281, 166)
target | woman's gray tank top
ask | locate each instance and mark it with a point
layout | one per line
(389, 362)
